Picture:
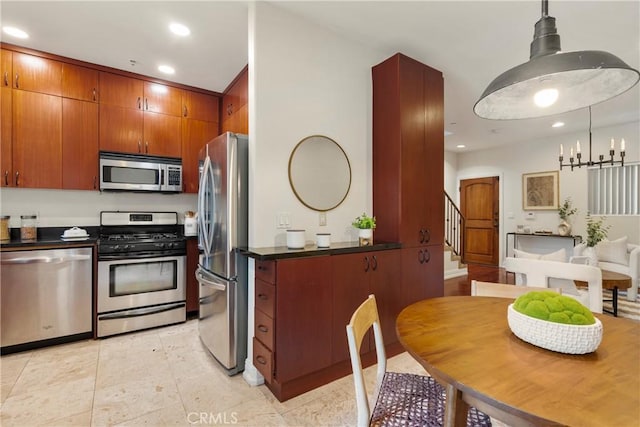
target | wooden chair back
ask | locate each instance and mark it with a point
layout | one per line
(502, 290)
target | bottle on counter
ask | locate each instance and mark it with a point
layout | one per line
(4, 228)
(28, 229)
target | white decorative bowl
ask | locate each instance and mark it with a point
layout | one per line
(560, 337)
(295, 239)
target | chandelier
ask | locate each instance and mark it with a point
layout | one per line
(601, 161)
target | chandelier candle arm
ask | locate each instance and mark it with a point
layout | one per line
(611, 161)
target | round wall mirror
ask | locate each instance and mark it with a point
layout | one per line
(319, 173)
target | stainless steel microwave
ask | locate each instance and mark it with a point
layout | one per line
(135, 172)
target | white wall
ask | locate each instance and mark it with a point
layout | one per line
(61, 208)
(304, 80)
(542, 155)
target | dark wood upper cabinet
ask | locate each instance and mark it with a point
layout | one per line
(200, 106)
(195, 133)
(408, 152)
(159, 98)
(79, 144)
(6, 180)
(235, 105)
(37, 74)
(121, 91)
(162, 135)
(6, 65)
(121, 129)
(80, 83)
(37, 140)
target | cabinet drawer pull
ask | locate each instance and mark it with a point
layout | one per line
(229, 109)
(263, 297)
(427, 236)
(263, 328)
(6, 178)
(421, 239)
(421, 256)
(261, 360)
(17, 179)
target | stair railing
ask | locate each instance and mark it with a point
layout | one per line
(454, 227)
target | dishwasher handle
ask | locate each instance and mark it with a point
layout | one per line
(201, 278)
(45, 260)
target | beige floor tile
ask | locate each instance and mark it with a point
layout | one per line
(127, 367)
(75, 420)
(129, 344)
(11, 366)
(133, 399)
(332, 409)
(44, 405)
(257, 412)
(172, 415)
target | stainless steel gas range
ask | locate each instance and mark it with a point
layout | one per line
(141, 271)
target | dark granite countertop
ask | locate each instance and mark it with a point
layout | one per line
(49, 237)
(337, 248)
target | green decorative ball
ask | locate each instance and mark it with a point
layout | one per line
(553, 307)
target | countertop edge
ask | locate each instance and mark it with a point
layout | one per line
(282, 252)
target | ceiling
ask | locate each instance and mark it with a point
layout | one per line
(471, 42)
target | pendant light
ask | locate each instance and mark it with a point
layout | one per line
(554, 82)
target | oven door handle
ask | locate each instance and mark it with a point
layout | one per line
(141, 312)
(200, 277)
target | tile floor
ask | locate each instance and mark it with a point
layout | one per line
(158, 377)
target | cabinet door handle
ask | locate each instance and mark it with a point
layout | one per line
(421, 239)
(375, 263)
(6, 178)
(427, 257)
(95, 97)
(420, 256)
(17, 179)
(139, 103)
(263, 328)
(184, 111)
(366, 264)
(263, 297)
(229, 109)
(6, 78)
(139, 147)
(146, 147)
(261, 360)
(95, 182)
(17, 80)
(146, 104)
(427, 236)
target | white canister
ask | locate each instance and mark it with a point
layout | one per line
(190, 226)
(295, 239)
(323, 240)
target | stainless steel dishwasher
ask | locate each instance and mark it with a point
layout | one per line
(46, 297)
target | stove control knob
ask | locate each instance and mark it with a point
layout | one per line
(116, 247)
(160, 245)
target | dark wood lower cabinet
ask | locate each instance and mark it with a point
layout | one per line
(303, 344)
(422, 273)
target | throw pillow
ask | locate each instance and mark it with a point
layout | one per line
(559, 255)
(614, 251)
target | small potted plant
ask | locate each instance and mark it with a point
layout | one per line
(596, 232)
(365, 225)
(565, 212)
(556, 322)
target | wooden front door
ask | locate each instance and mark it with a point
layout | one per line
(479, 205)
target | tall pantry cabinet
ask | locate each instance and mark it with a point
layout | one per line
(408, 170)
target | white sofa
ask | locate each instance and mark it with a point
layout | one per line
(613, 257)
(539, 272)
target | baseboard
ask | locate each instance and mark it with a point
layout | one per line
(450, 274)
(251, 374)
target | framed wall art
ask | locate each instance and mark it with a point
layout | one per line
(540, 191)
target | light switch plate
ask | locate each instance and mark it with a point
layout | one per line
(322, 218)
(283, 220)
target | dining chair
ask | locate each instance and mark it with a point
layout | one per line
(401, 398)
(489, 289)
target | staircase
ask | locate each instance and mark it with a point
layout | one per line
(453, 240)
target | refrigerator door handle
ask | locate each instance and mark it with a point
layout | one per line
(204, 235)
(200, 277)
(213, 221)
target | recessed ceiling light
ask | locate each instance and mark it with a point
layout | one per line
(460, 146)
(179, 29)
(166, 69)
(15, 32)
(557, 125)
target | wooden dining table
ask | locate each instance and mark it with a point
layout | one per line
(465, 343)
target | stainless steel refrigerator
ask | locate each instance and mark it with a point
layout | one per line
(222, 227)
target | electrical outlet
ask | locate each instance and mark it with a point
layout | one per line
(283, 220)
(322, 219)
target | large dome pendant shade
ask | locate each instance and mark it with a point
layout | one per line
(581, 79)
